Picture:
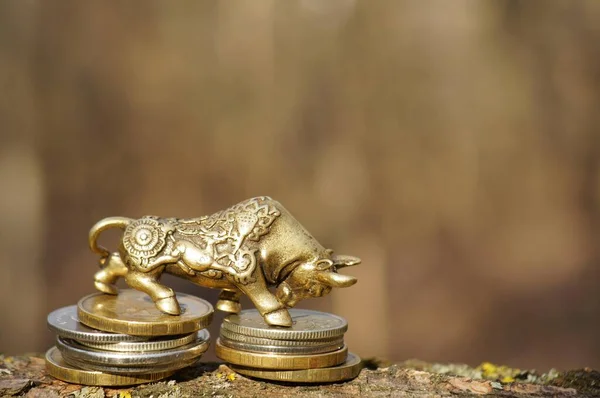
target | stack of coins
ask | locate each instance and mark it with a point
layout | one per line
(124, 340)
(311, 351)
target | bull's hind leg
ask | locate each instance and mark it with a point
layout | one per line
(229, 301)
(112, 268)
(163, 297)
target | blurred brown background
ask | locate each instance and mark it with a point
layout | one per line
(453, 145)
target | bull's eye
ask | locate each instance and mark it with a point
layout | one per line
(324, 265)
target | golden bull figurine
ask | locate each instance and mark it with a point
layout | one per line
(244, 249)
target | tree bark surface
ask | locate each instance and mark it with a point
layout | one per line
(26, 376)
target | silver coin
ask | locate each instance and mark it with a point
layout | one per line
(70, 349)
(138, 370)
(306, 325)
(64, 322)
(242, 338)
(236, 345)
(158, 344)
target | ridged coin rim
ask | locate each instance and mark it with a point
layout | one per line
(72, 349)
(283, 333)
(136, 346)
(236, 345)
(279, 361)
(175, 325)
(173, 367)
(346, 371)
(59, 369)
(242, 338)
(93, 335)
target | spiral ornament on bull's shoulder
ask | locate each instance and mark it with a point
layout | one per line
(143, 239)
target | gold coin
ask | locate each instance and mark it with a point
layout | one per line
(346, 371)
(280, 361)
(133, 312)
(56, 367)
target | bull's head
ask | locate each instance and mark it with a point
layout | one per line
(315, 279)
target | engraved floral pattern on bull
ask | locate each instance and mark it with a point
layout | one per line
(252, 219)
(227, 230)
(214, 244)
(144, 239)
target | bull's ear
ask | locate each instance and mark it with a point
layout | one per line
(343, 260)
(336, 280)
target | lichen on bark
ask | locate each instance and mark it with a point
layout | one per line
(25, 376)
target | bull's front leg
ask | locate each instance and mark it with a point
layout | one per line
(147, 282)
(273, 312)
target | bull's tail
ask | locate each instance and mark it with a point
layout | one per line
(103, 225)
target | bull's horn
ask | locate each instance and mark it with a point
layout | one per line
(342, 260)
(336, 280)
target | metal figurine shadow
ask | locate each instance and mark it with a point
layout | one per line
(244, 249)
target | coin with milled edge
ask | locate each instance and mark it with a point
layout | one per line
(242, 338)
(157, 344)
(280, 361)
(58, 368)
(65, 323)
(346, 371)
(306, 325)
(130, 370)
(72, 349)
(279, 349)
(133, 312)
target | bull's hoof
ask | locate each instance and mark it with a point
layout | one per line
(168, 305)
(106, 288)
(279, 318)
(232, 307)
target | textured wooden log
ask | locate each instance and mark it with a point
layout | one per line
(25, 376)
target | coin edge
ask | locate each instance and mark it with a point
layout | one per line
(284, 334)
(140, 328)
(305, 375)
(282, 362)
(94, 378)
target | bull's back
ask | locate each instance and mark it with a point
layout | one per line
(283, 242)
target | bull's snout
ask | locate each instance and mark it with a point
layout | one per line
(285, 295)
